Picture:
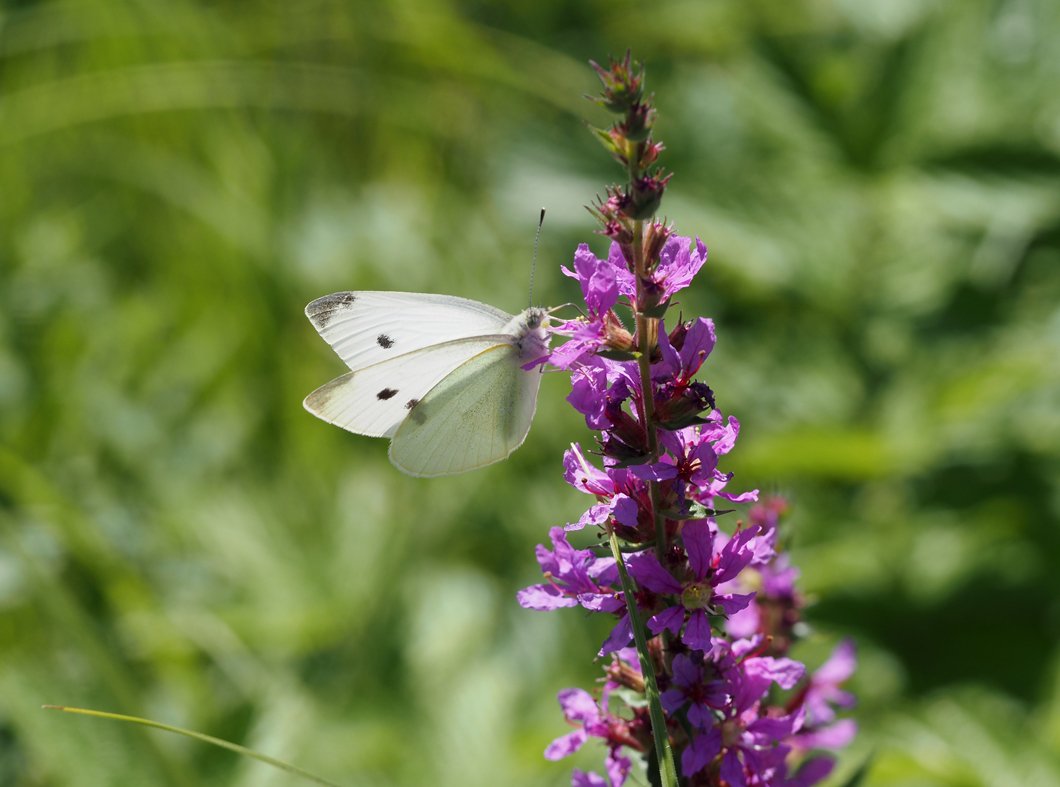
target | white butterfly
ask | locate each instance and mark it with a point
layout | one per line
(440, 376)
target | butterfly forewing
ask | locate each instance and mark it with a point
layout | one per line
(374, 400)
(366, 327)
(477, 415)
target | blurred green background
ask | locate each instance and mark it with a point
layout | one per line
(879, 185)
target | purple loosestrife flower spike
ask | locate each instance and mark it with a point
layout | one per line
(712, 608)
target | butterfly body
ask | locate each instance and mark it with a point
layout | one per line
(440, 376)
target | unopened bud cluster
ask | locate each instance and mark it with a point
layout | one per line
(630, 141)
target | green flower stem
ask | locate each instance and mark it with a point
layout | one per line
(645, 330)
(664, 754)
(644, 347)
(220, 742)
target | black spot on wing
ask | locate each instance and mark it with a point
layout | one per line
(384, 341)
(386, 393)
(323, 309)
(411, 403)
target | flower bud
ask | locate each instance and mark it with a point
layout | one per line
(655, 236)
(624, 675)
(678, 334)
(625, 442)
(650, 304)
(649, 154)
(614, 208)
(616, 337)
(637, 125)
(685, 405)
(645, 196)
(622, 87)
(618, 231)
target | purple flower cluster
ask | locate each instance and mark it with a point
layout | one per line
(720, 605)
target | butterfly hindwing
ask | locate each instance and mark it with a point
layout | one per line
(374, 400)
(477, 415)
(367, 327)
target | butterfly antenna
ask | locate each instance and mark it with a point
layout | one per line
(533, 262)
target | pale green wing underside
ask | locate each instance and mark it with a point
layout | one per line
(474, 417)
(375, 400)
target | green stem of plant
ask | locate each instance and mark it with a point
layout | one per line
(664, 754)
(220, 742)
(647, 399)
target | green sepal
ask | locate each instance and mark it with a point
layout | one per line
(628, 549)
(680, 423)
(656, 312)
(632, 461)
(717, 620)
(633, 699)
(603, 136)
(612, 354)
(700, 511)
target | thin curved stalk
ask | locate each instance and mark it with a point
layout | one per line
(219, 742)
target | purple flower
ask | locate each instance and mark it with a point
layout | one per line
(580, 473)
(832, 736)
(585, 338)
(588, 779)
(621, 507)
(679, 400)
(696, 340)
(821, 696)
(598, 391)
(751, 753)
(621, 635)
(601, 280)
(824, 692)
(750, 744)
(692, 456)
(575, 576)
(696, 594)
(721, 434)
(691, 688)
(678, 265)
(774, 608)
(593, 720)
(621, 494)
(811, 772)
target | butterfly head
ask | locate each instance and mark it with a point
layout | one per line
(531, 333)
